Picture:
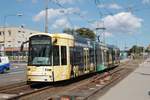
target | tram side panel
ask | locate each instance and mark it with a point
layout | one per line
(99, 59)
(76, 61)
(62, 69)
(82, 60)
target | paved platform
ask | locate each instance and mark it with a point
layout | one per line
(124, 60)
(136, 86)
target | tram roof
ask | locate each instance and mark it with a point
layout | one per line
(77, 38)
(112, 46)
(54, 35)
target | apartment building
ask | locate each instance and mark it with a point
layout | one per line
(11, 38)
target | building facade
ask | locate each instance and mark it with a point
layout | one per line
(11, 39)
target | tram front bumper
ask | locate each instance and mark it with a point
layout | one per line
(40, 78)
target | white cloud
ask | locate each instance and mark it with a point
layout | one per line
(61, 24)
(108, 34)
(63, 1)
(105, 33)
(124, 22)
(110, 6)
(52, 13)
(145, 1)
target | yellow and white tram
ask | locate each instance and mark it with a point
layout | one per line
(60, 56)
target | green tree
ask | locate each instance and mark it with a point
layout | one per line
(136, 49)
(147, 49)
(86, 32)
(69, 31)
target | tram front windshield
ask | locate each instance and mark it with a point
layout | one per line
(40, 52)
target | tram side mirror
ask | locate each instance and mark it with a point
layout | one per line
(55, 41)
(22, 45)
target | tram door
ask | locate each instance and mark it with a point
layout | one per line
(60, 64)
(86, 59)
(105, 57)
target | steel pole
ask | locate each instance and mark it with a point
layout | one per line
(46, 16)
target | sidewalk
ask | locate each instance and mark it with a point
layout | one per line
(134, 87)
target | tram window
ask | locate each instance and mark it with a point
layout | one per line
(105, 56)
(118, 54)
(63, 55)
(91, 55)
(71, 56)
(98, 56)
(56, 60)
(107, 59)
(110, 55)
(78, 56)
(113, 55)
(74, 56)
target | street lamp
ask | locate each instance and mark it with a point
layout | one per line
(5, 18)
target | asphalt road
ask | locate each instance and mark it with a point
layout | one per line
(16, 74)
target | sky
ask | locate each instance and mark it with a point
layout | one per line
(126, 22)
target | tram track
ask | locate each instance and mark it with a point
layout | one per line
(25, 92)
(16, 92)
(84, 91)
(53, 93)
(115, 77)
(10, 86)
